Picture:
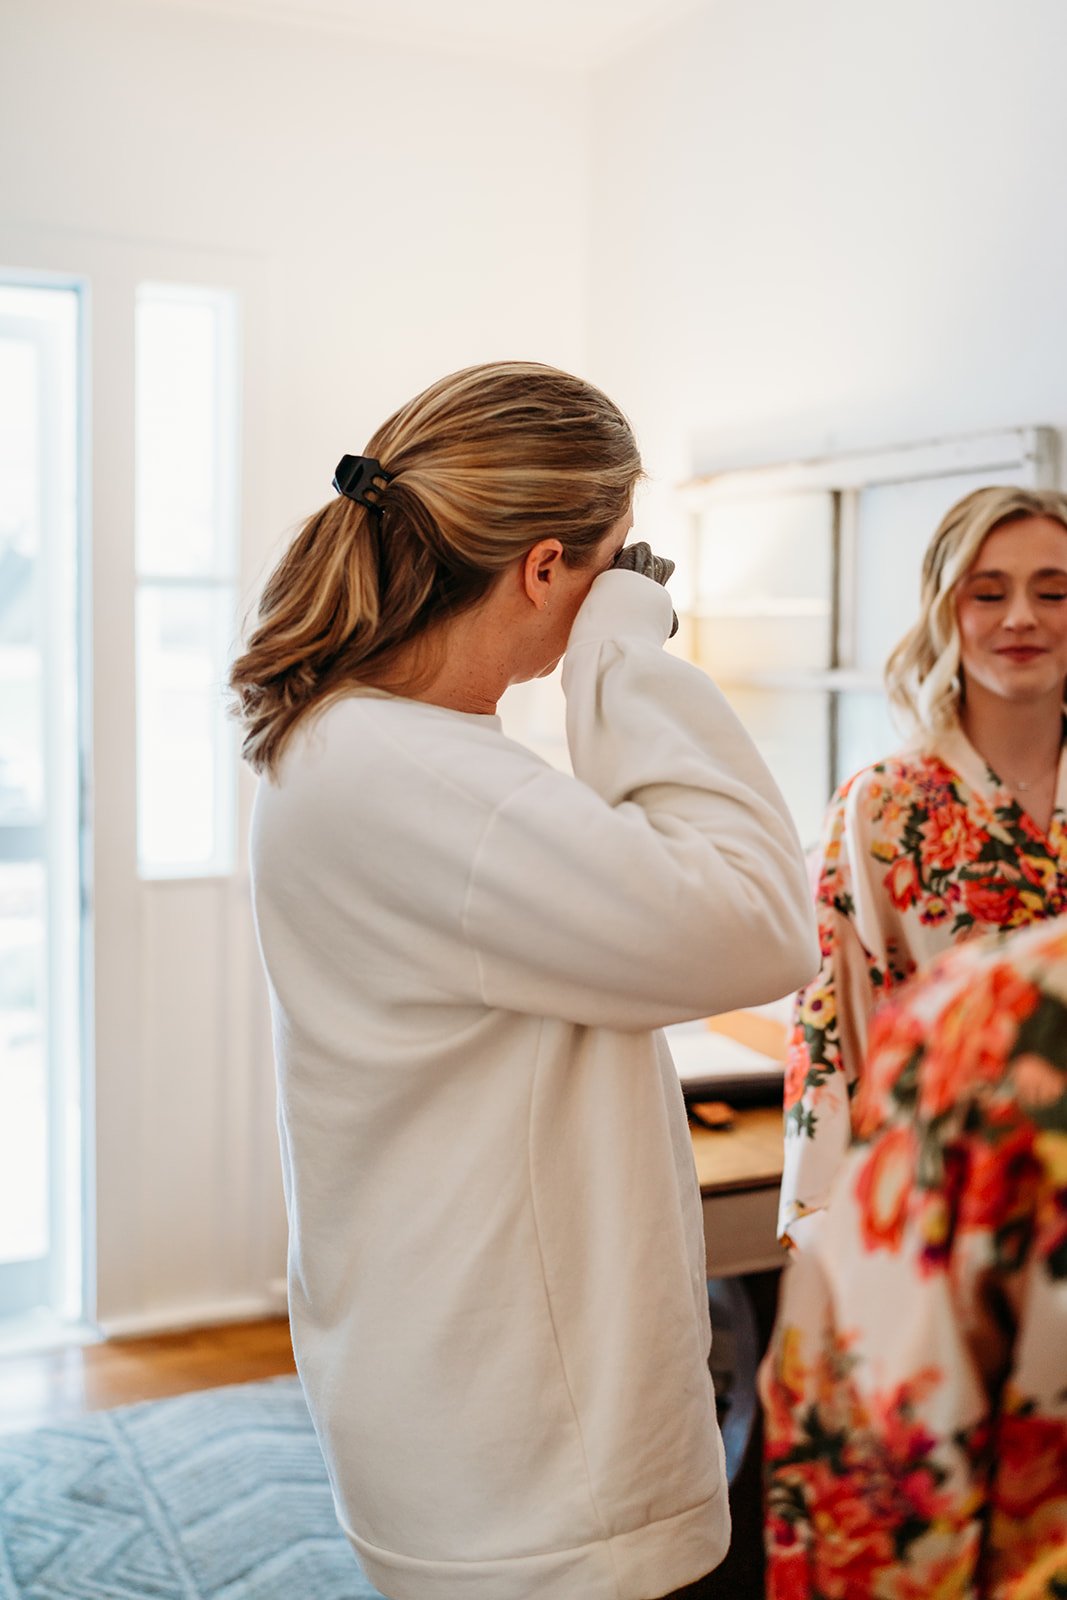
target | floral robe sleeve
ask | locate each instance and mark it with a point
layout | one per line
(915, 1390)
(920, 851)
(829, 1032)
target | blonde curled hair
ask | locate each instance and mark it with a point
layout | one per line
(922, 674)
(481, 466)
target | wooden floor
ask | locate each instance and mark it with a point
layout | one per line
(37, 1388)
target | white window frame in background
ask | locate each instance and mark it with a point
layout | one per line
(183, 1219)
(220, 577)
(1027, 454)
(54, 1285)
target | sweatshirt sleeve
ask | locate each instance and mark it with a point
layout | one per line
(667, 882)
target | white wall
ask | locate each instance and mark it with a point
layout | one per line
(391, 216)
(777, 229)
(828, 224)
(421, 212)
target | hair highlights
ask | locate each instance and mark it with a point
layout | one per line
(482, 465)
(923, 672)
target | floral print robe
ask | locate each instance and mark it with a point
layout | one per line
(920, 851)
(915, 1390)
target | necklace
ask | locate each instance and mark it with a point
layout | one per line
(1024, 785)
(1032, 783)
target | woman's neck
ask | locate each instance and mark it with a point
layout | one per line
(457, 665)
(1020, 740)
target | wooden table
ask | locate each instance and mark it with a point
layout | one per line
(740, 1173)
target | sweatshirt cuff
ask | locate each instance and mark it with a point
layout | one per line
(623, 605)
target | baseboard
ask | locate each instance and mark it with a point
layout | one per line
(172, 1319)
(278, 1290)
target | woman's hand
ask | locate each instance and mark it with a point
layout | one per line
(639, 557)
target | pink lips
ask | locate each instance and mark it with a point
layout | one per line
(1022, 652)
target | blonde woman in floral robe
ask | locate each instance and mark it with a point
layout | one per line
(915, 1391)
(964, 832)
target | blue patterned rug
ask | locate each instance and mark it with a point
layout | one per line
(220, 1495)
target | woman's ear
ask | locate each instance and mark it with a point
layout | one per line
(540, 568)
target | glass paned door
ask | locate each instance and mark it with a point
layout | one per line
(186, 541)
(39, 877)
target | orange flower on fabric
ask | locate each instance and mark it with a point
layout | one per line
(919, 853)
(991, 900)
(875, 798)
(892, 826)
(790, 1575)
(883, 1187)
(796, 1071)
(1032, 1464)
(1037, 1081)
(902, 883)
(946, 839)
(896, 1034)
(890, 1477)
(851, 1544)
(1000, 1178)
(1039, 871)
(972, 1037)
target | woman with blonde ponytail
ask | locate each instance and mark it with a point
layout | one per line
(964, 831)
(496, 1269)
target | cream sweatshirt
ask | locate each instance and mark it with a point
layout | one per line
(496, 1264)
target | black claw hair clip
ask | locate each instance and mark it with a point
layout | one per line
(355, 475)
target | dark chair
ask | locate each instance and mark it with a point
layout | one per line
(734, 1358)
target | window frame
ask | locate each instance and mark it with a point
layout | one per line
(1027, 454)
(221, 578)
(54, 1281)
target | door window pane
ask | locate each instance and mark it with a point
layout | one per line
(39, 892)
(23, 1062)
(185, 741)
(21, 687)
(185, 445)
(186, 542)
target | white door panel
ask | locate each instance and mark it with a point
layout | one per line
(182, 1206)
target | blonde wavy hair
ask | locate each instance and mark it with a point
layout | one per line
(482, 465)
(922, 674)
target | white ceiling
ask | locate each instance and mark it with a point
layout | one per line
(574, 35)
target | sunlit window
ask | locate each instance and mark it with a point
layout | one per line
(804, 576)
(186, 544)
(39, 882)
